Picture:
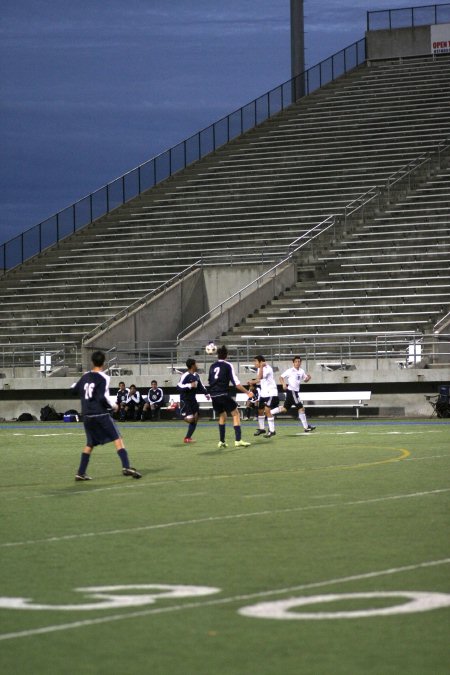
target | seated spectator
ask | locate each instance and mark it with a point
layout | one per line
(155, 401)
(133, 404)
(121, 398)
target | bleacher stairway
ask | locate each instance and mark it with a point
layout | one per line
(391, 275)
(247, 201)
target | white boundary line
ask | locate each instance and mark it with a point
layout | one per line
(210, 519)
(219, 601)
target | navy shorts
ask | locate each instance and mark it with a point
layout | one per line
(223, 404)
(100, 429)
(189, 408)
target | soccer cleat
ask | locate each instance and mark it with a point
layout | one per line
(131, 472)
(222, 444)
(241, 444)
(258, 432)
(269, 434)
(82, 476)
(309, 428)
(188, 440)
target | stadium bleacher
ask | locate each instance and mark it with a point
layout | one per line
(247, 201)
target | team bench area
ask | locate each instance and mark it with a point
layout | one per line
(314, 399)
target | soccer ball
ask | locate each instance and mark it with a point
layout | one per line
(211, 348)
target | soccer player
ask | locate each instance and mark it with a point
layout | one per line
(221, 373)
(100, 428)
(155, 401)
(133, 403)
(122, 395)
(189, 386)
(291, 380)
(268, 396)
(252, 403)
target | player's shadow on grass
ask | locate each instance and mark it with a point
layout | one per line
(220, 451)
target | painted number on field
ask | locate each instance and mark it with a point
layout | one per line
(112, 597)
(283, 609)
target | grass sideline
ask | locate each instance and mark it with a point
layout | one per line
(354, 508)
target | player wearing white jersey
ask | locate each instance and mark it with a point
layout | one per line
(291, 380)
(268, 396)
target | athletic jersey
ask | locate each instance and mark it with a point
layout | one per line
(293, 378)
(155, 395)
(267, 384)
(188, 393)
(93, 390)
(256, 394)
(122, 396)
(133, 398)
(221, 373)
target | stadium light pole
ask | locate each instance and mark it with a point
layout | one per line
(297, 48)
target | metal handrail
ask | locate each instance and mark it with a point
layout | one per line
(443, 322)
(152, 172)
(415, 164)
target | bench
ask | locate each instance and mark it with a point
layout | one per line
(336, 399)
(315, 399)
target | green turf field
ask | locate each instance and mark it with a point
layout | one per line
(323, 553)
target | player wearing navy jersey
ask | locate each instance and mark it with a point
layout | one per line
(268, 396)
(121, 398)
(252, 403)
(221, 374)
(155, 401)
(291, 380)
(100, 428)
(189, 386)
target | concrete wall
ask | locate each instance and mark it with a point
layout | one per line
(385, 44)
(244, 305)
(160, 319)
(221, 282)
(163, 317)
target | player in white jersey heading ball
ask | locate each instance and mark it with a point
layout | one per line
(291, 381)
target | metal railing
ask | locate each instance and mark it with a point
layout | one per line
(405, 349)
(407, 177)
(406, 17)
(43, 359)
(149, 174)
(442, 324)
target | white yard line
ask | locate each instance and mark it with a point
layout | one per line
(211, 519)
